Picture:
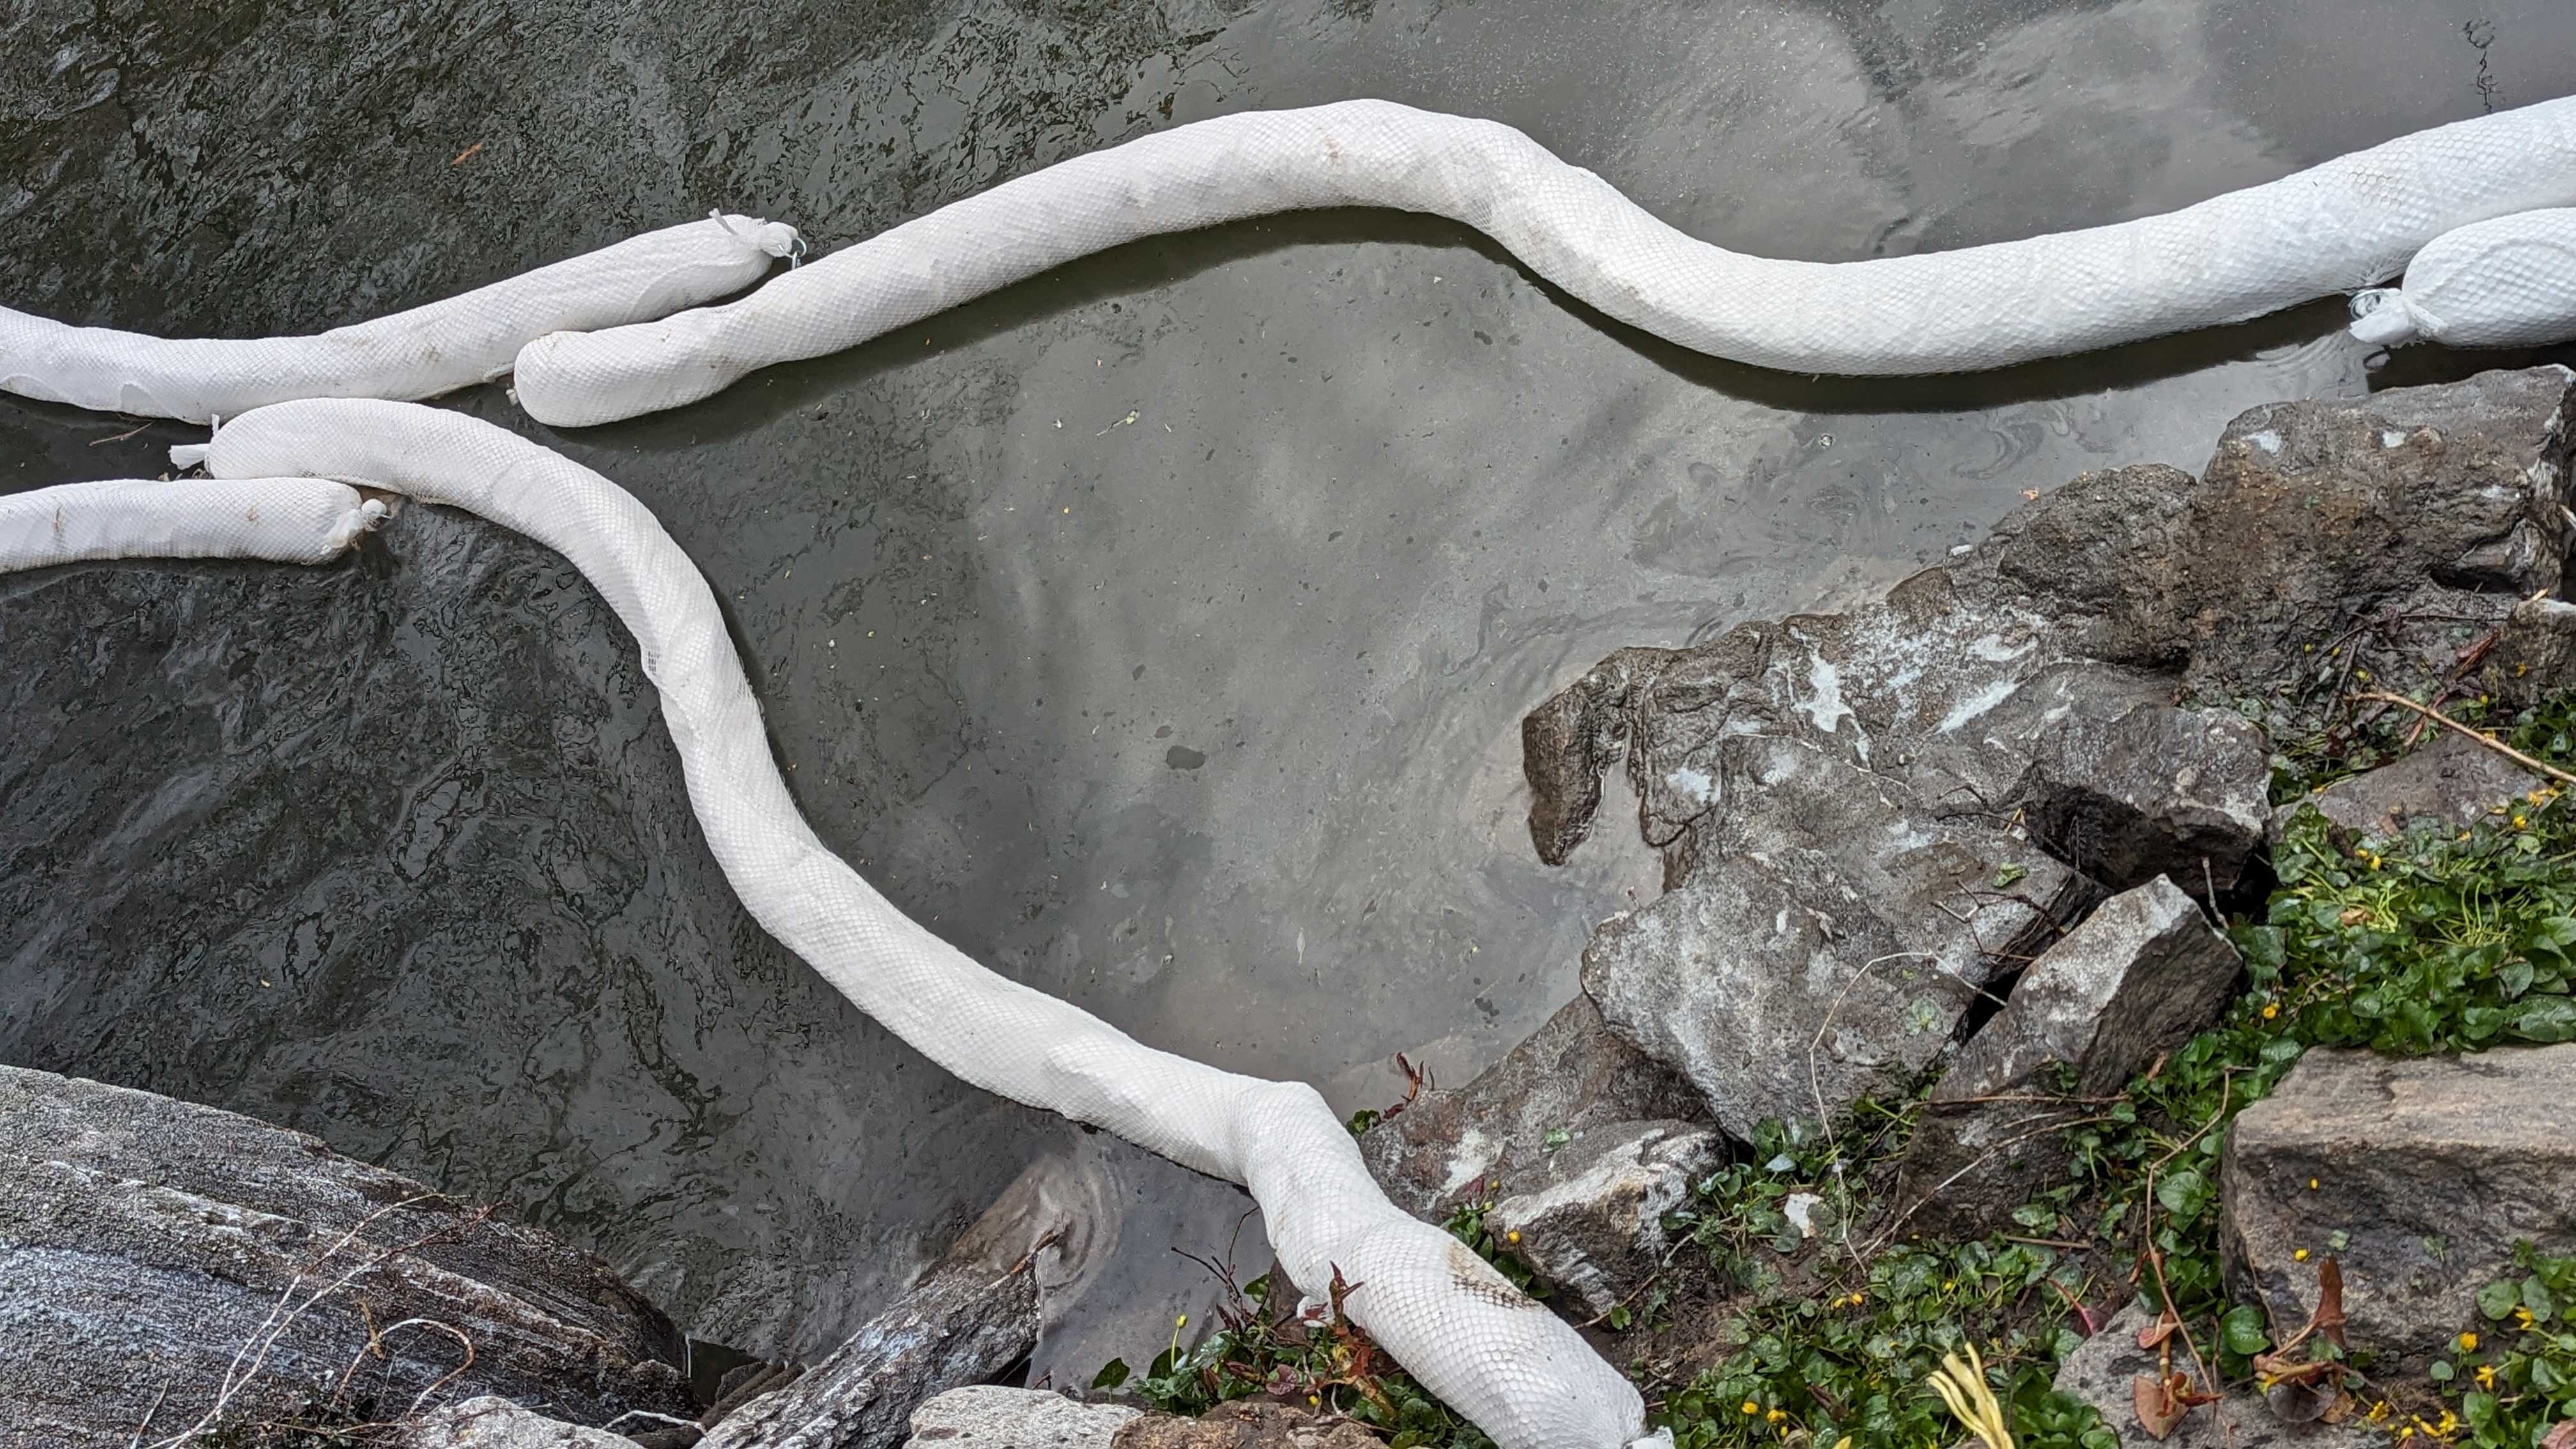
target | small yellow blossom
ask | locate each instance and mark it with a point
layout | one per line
(1775, 1416)
(1751, 1407)
(2271, 1009)
(2312, 1184)
(2486, 1375)
(1513, 1236)
(2468, 1343)
(2301, 1255)
(1948, 1284)
(2521, 823)
(2522, 1318)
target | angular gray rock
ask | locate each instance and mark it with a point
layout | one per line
(1593, 1225)
(2445, 783)
(144, 1241)
(2138, 977)
(2417, 1176)
(1573, 1075)
(2535, 655)
(988, 1416)
(1245, 1424)
(2103, 1367)
(2158, 791)
(496, 1423)
(1831, 948)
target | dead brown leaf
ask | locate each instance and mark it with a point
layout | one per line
(2154, 1334)
(2328, 1319)
(2561, 1435)
(2162, 1402)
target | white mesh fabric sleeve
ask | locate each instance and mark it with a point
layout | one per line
(2510, 282)
(2332, 228)
(426, 351)
(283, 520)
(1506, 1362)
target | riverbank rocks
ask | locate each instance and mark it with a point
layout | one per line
(1834, 947)
(2535, 654)
(2139, 977)
(2157, 791)
(144, 1242)
(1592, 1226)
(2102, 1369)
(1247, 1424)
(990, 1416)
(2417, 1176)
(1571, 1077)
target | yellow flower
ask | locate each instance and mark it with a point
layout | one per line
(2519, 823)
(2406, 1433)
(1775, 1416)
(2522, 1318)
(2271, 1009)
(1751, 1407)
(1513, 1236)
(2301, 1255)
(2312, 1184)
(1948, 1284)
(2468, 1343)
(2486, 1375)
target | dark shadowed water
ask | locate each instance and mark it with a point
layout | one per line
(1157, 630)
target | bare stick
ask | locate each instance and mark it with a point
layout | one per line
(2448, 723)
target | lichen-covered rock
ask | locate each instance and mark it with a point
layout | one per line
(496, 1423)
(989, 1416)
(1592, 1226)
(2445, 783)
(144, 1241)
(2102, 1369)
(1573, 1076)
(2158, 791)
(2138, 977)
(1832, 950)
(1248, 1424)
(2417, 1176)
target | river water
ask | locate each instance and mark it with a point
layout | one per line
(1157, 630)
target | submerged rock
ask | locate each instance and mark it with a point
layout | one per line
(2418, 1177)
(2139, 977)
(144, 1242)
(1593, 1225)
(1572, 1077)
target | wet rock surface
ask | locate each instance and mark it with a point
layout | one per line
(2103, 1367)
(1574, 1077)
(2143, 973)
(999, 1417)
(2417, 1176)
(1591, 1224)
(145, 1242)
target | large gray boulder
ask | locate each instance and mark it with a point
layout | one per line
(2140, 976)
(1573, 1076)
(2103, 1368)
(1592, 1227)
(1833, 945)
(2417, 1176)
(496, 1423)
(144, 1243)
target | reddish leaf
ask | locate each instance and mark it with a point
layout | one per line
(2560, 1436)
(2328, 1319)
(2157, 1332)
(2153, 1398)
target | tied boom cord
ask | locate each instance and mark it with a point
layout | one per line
(2468, 204)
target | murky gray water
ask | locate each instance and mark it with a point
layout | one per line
(1158, 630)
